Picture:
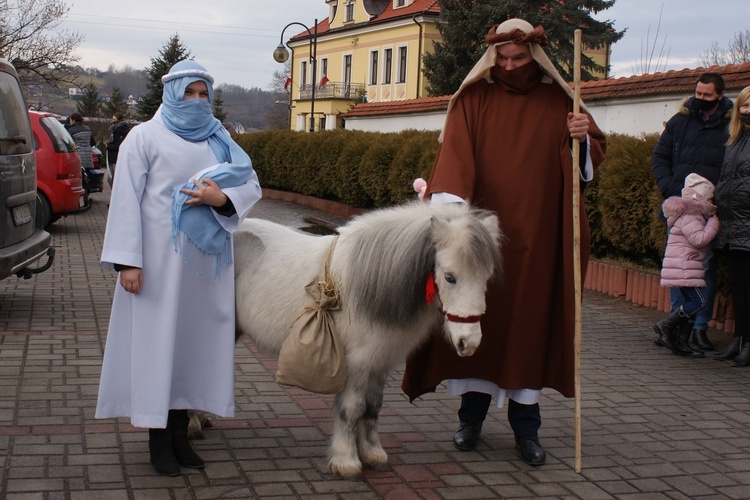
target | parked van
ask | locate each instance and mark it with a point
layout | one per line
(22, 244)
(58, 170)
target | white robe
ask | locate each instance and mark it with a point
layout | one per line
(172, 345)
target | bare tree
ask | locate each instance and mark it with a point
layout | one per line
(737, 52)
(30, 40)
(648, 64)
(278, 114)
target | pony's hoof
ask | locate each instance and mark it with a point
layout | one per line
(375, 458)
(348, 471)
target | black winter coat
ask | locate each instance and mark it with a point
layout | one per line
(690, 145)
(732, 196)
(117, 133)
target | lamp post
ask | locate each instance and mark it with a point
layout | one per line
(281, 55)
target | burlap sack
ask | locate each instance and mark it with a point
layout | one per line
(312, 357)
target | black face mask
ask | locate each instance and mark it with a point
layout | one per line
(744, 118)
(705, 105)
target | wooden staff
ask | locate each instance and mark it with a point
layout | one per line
(577, 248)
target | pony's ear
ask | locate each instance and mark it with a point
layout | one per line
(492, 224)
(439, 228)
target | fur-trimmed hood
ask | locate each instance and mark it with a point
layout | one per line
(687, 107)
(677, 206)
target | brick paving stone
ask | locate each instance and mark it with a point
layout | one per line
(654, 425)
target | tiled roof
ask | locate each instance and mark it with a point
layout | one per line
(418, 7)
(679, 82)
(422, 105)
(323, 26)
(672, 82)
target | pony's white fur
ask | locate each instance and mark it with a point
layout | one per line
(381, 262)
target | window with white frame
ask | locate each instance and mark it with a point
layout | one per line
(400, 3)
(348, 68)
(303, 73)
(324, 67)
(402, 65)
(349, 11)
(387, 65)
(374, 67)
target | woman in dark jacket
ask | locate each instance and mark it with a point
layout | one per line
(733, 203)
(117, 132)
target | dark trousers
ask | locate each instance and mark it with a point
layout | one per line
(738, 263)
(525, 420)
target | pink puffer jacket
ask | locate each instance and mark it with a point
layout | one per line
(692, 227)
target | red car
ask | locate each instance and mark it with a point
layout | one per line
(58, 178)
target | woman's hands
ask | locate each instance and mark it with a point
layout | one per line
(131, 279)
(206, 192)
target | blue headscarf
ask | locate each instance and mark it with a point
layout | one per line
(198, 237)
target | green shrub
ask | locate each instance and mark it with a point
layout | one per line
(369, 170)
(629, 201)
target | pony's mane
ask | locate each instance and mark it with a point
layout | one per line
(392, 253)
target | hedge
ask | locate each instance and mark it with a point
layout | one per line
(370, 170)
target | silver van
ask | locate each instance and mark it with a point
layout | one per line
(22, 244)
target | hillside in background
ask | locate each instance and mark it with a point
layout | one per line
(251, 108)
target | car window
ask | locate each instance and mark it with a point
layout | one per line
(61, 139)
(15, 135)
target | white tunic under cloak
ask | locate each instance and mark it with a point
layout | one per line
(172, 345)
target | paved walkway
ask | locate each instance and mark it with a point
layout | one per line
(654, 425)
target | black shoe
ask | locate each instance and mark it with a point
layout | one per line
(532, 452)
(185, 454)
(681, 346)
(466, 437)
(162, 455)
(183, 450)
(743, 358)
(700, 341)
(731, 350)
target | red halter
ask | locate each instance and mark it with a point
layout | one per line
(431, 291)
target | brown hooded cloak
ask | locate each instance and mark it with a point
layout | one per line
(506, 148)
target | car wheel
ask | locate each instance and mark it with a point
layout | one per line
(43, 211)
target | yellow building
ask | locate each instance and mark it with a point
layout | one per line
(365, 51)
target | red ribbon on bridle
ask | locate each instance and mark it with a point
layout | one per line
(431, 291)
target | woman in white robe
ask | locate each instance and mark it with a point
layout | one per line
(170, 344)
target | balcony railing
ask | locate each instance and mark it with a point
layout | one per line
(333, 90)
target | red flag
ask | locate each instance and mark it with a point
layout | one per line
(286, 84)
(323, 81)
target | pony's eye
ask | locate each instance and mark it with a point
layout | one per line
(450, 278)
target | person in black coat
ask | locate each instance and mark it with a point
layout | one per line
(117, 132)
(733, 204)
(693, 142)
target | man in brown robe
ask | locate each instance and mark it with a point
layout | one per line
(506, 147)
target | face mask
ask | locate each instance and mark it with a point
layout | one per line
(705, 105)
(744, 118)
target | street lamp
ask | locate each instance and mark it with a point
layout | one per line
(281, 55)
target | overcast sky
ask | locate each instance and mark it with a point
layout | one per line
(235, 42)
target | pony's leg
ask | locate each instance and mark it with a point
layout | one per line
(368, 440)
(348, 408)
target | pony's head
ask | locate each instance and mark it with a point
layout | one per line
(467, 255)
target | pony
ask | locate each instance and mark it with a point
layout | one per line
(382, 264)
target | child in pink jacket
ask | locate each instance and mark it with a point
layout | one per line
(692, 225)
